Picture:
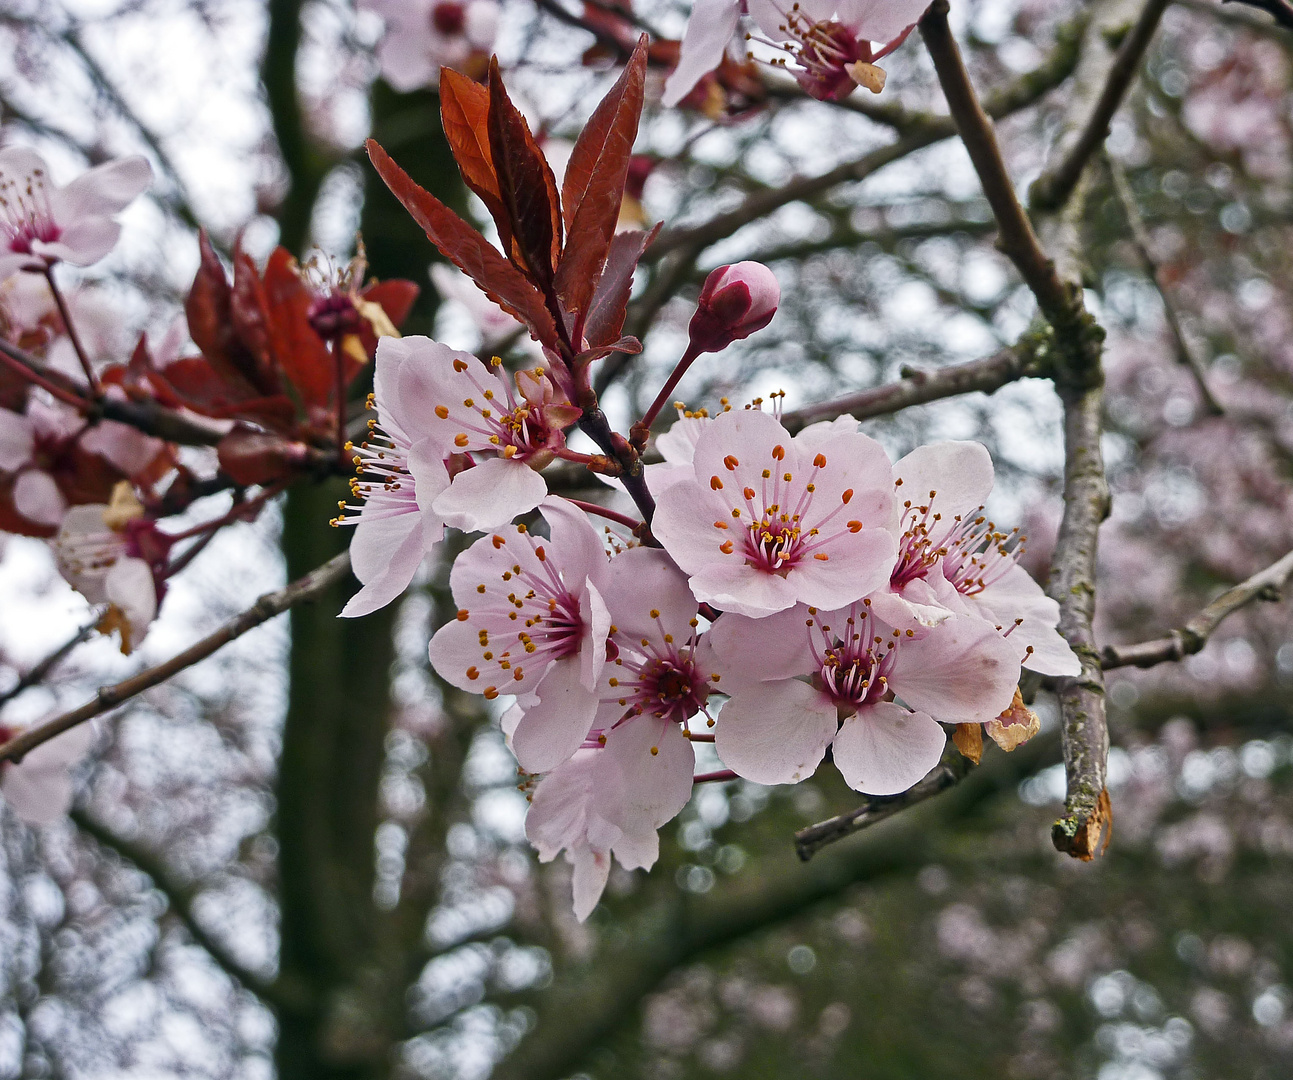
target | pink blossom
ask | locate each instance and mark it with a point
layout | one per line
(28, 442)
(795, 675)
(532, 620)
(734, 302)
(952, 559)
(114, 554)
(422, 36)
(465, 407)
(41, 224)
(39, 790)
(678, 448)
(495, 324)
(766, 521)
(611, 799)
(400, 476)
(829, 42)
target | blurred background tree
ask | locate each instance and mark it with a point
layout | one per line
(305, 858)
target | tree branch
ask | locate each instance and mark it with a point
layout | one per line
(1267, 584)
(1282, 10)
(1141, 241)
(109, 697)
(43, 668)
(1072, 583)
(954, 767)
(181, 897)
(919, 387)
(1053, 188)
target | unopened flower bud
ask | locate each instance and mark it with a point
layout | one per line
(735, 301)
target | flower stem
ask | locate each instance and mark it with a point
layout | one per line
(601, 511)
(722, 774)
(642, 429)
(95, 389)
(14, 360)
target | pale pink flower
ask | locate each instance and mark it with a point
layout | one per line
(678, 448)
(113, 554)
(468, 408)
(28, 443)
(41, 224)
(830, 43)
(735, 302)
(400, 475)
(952, 559)
(39, 790)
(611, 799)
(767, 521)
(531, 620)
(422, 36)
(795, 675)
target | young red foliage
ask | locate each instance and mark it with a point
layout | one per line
(593, 188)
(526, 186)
(464, 115)
(468, 250)
(301, 355)
(610, 300)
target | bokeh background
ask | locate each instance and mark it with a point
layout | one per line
(305, 857)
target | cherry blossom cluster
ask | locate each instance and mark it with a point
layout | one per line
(791, 594)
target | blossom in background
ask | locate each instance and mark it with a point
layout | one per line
(952, 559)
(400, 475)
(39, 790)
(468, 408)
(766, 521)
(827, 44)
(532, 620)
(495, 324)
(30, 445)
(41, 224)
(114, 554)
(795, 675)
(422, 36)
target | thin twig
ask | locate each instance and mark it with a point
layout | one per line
(1053, 188)
(109, 697)
(916, 388)
(45, 666)
(73, 335)
(1141, 241)
(1267, 584)
(1072, 583)
(951, 770)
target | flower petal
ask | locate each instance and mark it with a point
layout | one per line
(884, 749)
(709, 30)
(556, 725)
(105, 189)
(960, 472)
(762, 650)
(385, 553)
(649, 780)
(645, 580)
(37, 498)
(16, 441)
(490, 494)
(960, 671)
(775, 733)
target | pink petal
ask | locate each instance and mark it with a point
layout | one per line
(597, 624)
(742, 589)
(385, 553)
(881, 20)
(580, 546)
(129, 585)
(36, 795)
(83, 242)
(775, 733)
(490, 494)
(13, 262)
(849, 572)
(960, 472)
(640, 581)
(37, 498)
(760, 650)
(885, 749)
(555, 727)
(16, 441)
(127, 448)
(406, 61)
(105, 189)
(649, 765)
(592, 868)
(1051, 654)
(913, 606)
(710, 28)
(960, 671)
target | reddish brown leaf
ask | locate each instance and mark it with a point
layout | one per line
(208, 308)
(252, 457)
(464, 115)
(593, 188)
(302, 356)
(611, 298)
(969, 740)
(468, 250)
(526, 186)
(251, 323)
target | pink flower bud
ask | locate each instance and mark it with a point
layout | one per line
(735, 301)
